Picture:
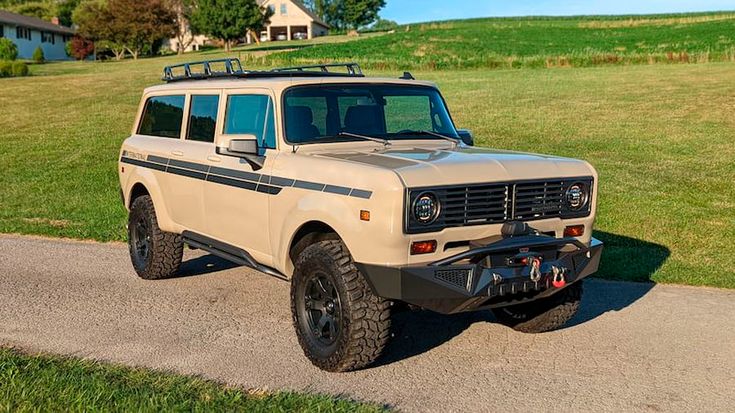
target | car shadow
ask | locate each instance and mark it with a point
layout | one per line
(202, 265)
(624, 258)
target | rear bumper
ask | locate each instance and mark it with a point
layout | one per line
(474, 279)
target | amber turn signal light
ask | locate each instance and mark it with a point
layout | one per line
(364, 215)
(423, 247)
(574, 231)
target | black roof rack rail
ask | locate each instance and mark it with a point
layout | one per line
(231, 67)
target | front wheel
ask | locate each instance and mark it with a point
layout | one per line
(340, 324)
(545, 314)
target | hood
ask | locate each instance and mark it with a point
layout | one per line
(420, 167)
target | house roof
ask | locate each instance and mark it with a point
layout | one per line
(33, 23)
(305, 9)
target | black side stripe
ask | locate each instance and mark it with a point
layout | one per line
(239, 179)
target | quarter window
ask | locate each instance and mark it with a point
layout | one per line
(163, 117)
(251, 115)
(203, 118)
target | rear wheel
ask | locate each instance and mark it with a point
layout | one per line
(545, 314)
(155, 254)
(341, 325)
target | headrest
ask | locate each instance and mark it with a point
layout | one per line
(300, 115)
(362, 119)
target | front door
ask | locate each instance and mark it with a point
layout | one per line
(237, 196)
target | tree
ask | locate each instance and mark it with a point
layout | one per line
(346, 14)
(384, 25)
(361, 13)
(126, 25)
(65, 10)
(184, 30)
(39, 9)
(92, 17)
(229, 19)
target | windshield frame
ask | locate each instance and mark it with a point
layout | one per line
(336, 139)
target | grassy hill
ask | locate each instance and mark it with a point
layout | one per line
(538, 42)
(662, 138)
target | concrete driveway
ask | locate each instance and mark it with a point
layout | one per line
(633, 346)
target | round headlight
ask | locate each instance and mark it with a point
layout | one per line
(426, 208)
(577, 196)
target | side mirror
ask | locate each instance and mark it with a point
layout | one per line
(245, 147)
(466, 136)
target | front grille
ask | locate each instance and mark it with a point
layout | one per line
(470, 205)
(537, 200)
(496, 203)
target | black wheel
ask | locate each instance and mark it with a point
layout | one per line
(545, 314)
(340, 324)
(155, 254)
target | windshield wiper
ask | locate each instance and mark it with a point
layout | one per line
(430, 133)
(385, 142)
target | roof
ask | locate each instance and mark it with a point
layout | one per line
(278, 83)
(306, 10)
(33, 23)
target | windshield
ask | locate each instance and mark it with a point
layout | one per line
(330, 113)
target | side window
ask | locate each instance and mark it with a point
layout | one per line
(162, 116)
(251, 115)
(203, 118)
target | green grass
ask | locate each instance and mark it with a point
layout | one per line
(538, 42)
(662, 138)
(55, 384)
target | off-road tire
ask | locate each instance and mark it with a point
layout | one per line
(545, 314)
(164, 249)
(365, 319)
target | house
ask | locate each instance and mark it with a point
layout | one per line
(291, 20)
(28, 33)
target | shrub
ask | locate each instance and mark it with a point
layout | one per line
(38, 56)
(79, 48)
(6, 68)
(8, 49)
(20, 69)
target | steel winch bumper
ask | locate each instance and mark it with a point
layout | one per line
(511, 271)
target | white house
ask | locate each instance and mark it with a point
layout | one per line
(28, 33)
(291, 20)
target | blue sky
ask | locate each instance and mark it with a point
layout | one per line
(412, 11)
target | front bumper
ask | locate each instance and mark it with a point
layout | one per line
(488, 276)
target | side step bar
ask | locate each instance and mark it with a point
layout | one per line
(228, 252)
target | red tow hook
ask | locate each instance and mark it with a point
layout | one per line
(558, 281)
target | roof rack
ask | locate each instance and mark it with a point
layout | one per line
(231, 67)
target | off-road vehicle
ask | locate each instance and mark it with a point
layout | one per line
(361, 193)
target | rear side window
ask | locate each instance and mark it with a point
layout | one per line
(253, 115)
(203, 118)
(163, 116)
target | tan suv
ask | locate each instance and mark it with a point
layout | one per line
(361, 193)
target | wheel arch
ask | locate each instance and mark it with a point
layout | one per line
(143, 182)
(308, 234)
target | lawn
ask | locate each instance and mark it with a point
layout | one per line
(661, 136)
(46, 384)
(538, 42)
